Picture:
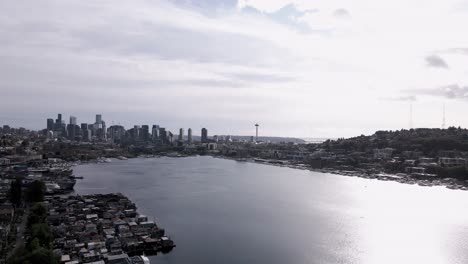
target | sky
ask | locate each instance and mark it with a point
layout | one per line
(315, 68)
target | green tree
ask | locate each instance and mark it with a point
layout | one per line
(16, 192)
(37, 215)
(35, 192)
(41, 236)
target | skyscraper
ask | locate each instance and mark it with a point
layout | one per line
(204, 135)
(155, 132)
(59, 119)
(50, 124)
(189, 136)
(181, 134)
(72, 120)
(98, 119)
(145, 132)
(162, 135)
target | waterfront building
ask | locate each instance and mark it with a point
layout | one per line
(189, 136)
(204, 135)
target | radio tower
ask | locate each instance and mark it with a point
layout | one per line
(443, 117)
(256, 132)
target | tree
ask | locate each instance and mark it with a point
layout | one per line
(36, 192)
(41, 236)
(16, 192)
(37, 215)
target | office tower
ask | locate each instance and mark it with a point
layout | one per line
(98, 119)
(204, 135)
(181, 134)
(59, 119)
(59, 126)
(162, 135)
(72, 131)
(87, 134)
(116, 133)
(189, 136)
(155, 132)
(170, 137)
(72, 120)
(145, 132)
(50, 124)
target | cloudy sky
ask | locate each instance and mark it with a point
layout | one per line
(310, 68)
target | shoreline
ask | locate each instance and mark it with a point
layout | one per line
(449, 183)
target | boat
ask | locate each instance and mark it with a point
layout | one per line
(52, 187)
(140, 260)
(66, 184)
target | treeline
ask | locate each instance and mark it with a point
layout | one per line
(430, 141)
(38, 243)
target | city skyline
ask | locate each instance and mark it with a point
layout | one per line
(301, 68)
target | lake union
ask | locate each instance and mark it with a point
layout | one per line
(224, 211)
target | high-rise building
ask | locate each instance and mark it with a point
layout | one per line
(155, 132)
(204, 135)
(181, 134)
(59, 126)
(145, 132)
(72, 120)
(59, 119)
(73, 131)
(98, 119)
(170, 137)
(50, 124)
(162, 135)
(189, 136)
(116, 133)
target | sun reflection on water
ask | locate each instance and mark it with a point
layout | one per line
(413, 225)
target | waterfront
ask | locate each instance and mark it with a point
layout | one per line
(223, 211)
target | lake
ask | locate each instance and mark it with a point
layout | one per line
(224, 211)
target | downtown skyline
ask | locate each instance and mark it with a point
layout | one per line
(300, 68)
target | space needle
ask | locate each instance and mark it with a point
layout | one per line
(256, 132)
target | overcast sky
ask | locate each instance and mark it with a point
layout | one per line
(312, 68)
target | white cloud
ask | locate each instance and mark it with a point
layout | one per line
(191, 63)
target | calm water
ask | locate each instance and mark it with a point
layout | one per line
(222, 211)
